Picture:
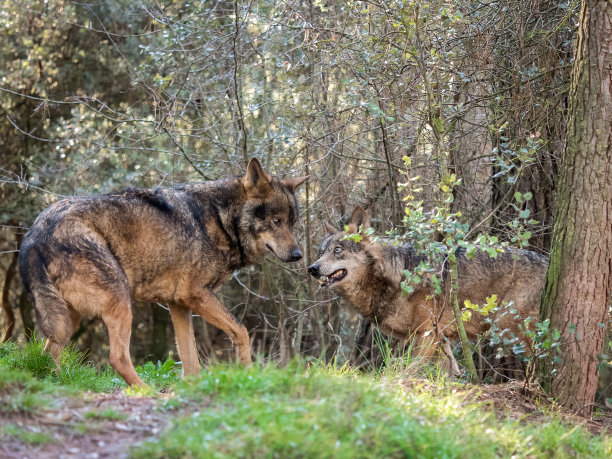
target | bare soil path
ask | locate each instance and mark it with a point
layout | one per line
(94, 426)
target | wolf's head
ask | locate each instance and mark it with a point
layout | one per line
(269, 214)
(343, 261)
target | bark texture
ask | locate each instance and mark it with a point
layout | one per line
(579, 279)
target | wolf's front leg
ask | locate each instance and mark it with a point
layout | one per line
(436, 349)
(185, 340)
(450, 364)
(204, 303)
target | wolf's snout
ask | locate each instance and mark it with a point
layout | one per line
(313, 269)
(296, 254)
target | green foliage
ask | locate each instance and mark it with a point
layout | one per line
(426, 228)
(21, 392)
(318, 412)
(31, 359)
(535, 342)
(520, 224)
(512, 159)
(423, 229)
(359, 235)
(160, 375)
(438, 234)
(75, 373)
(489, 307)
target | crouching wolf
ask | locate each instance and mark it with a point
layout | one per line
(369, 274)
(178, 246)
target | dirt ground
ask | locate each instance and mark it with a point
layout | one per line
(77, 435)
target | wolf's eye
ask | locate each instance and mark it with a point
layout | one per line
(276, 221)
(338, 250)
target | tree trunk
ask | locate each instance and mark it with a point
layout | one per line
(6, 291)
(6, 306)
(579, 279)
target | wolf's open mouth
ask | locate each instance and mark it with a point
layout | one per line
(336, 276)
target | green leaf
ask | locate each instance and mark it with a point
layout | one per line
(438, 125)
(407, 288)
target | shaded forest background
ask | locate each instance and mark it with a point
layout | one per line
(96, 97)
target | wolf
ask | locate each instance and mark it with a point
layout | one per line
(368, 275)
(94, 255)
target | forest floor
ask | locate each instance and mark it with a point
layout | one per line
(306, 410)
(92, 426)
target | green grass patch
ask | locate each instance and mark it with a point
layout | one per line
(74, 372)
(315, 412)
(160, 375)
(22, 392)
(108, 414)
(32, 435)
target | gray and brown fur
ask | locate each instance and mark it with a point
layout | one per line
(92, 256)
(374, 272)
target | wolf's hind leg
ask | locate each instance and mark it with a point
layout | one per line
(182, 322)
(54, 317)
(59, 335)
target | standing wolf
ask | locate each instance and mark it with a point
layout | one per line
(369, 274)
(94, 255)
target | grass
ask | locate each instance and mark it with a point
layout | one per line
(109, 414)
(13, 432)
(317, 412)
(75, 373)
(298, 411)
(22, 392)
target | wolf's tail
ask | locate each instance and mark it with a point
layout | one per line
(52, 311)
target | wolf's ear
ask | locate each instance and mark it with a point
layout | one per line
(359, 218)
(294, 182)
(256, 182)
(329, 229)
